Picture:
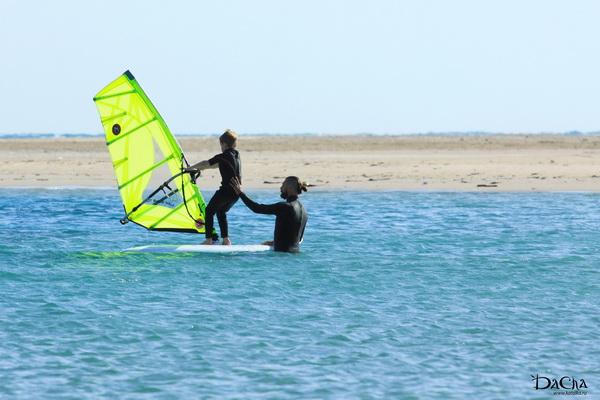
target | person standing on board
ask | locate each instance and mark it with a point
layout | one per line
(230, 166)
(290, 214)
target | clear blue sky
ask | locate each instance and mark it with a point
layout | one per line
(320, 66)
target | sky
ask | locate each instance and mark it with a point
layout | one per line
(313, 66)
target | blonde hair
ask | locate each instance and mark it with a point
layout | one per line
(229, 138)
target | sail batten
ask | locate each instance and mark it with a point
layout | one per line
(149, 170)
(125, 134)
(147, 161)
(167, 215)
(105, 120)
(98, 98)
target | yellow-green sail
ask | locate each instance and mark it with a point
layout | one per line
(140, 144)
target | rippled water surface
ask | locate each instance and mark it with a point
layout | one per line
(407, 295)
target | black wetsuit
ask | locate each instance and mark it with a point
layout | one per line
(230, 166)
(289, 224)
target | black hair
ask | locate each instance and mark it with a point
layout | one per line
(300, 186)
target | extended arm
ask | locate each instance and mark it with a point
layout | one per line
(273, 209)
(200, 166)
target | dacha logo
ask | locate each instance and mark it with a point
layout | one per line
(564, 383)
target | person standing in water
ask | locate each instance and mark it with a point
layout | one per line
(290, 214)
(230, 166)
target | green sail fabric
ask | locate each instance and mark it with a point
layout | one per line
(139, 143)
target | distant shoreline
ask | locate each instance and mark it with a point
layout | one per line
(503, 162)
(178, 135)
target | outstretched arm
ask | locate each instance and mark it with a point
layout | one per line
(252, 205)
(200, 166)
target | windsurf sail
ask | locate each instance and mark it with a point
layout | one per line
(148, 161)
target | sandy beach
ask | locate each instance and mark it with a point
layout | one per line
(411, 162)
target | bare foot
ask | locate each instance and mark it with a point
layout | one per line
(207, 241)
(226, 241)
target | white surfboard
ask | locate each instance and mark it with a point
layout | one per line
(197, 248)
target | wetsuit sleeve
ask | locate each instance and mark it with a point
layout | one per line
(273, 209)
(215, 159)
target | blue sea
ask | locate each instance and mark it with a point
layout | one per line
(396, 295)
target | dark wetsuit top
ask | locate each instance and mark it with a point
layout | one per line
(230, 165)
(289, 223)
